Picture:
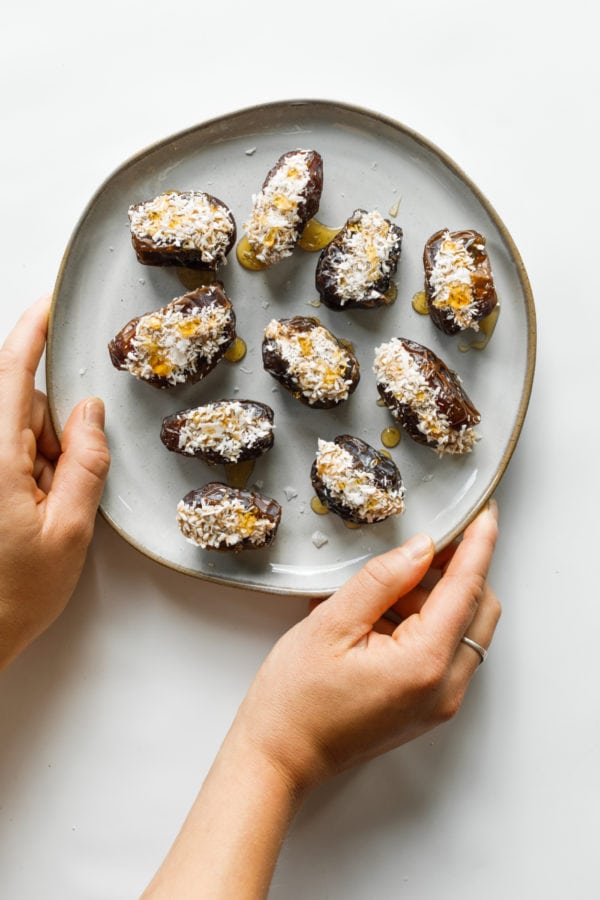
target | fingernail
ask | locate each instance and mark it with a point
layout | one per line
(418, 547)
(93, 413)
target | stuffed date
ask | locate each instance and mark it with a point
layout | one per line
(220, 517)
(459, 286)
(289, 197)
(224, 431)
(180, 343)
(309, 361)
(425, 396)
(357, 482)
(182, 228)
(355, 270)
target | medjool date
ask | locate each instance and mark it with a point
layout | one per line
(182, 228)
(459, 286)
(289, 197)
(220, 517)
(180, 343)
(356, 268)
(425, 396)
(309, 361)
(357, 482)
(224, 431)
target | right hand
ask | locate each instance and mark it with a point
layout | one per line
(345, 685)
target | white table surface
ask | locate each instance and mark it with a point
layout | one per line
(110, 721)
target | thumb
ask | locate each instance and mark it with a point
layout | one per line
(381, 582)
(81, 469)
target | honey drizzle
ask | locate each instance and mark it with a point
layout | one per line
(237, 474)
(487, 326)
(236, 351)
(195, 278)
(390, 437)
(391, 294)
(247, 257)
(316, 236)
(419, 303)
(351, 525)
(317, 507)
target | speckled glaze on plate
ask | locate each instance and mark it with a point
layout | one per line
(370, 162)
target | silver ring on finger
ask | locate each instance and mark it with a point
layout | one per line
(481, 651)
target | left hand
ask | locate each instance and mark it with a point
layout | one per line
(49, 493)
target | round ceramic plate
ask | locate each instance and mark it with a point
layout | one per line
(370, 162)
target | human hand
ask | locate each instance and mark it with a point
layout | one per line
(48, 493)
(345, 684)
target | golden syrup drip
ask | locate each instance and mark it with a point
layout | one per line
(380, 401)
(384, 452)
(390, 437)
(195, 278)
(236, 351)
(486, 326)
(317, 507)
(419, 303)
(315, 303)
(237, 474)
(246, 256)
(348, 345)
(394, 209)
(316, 236)
(391, 294)
(351, 525)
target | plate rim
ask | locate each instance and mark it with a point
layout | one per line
(449, 162)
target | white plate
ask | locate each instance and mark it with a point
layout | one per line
(370, 162)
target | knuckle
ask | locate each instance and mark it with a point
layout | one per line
(96, 461)
(449, 707)
(377, 571)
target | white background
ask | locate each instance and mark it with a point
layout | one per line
(110, 721)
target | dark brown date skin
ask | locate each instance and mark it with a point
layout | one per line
(148, 254)
(210, 295)
(451, 399)
(278, 367)
(384, 470)
(326, 276)
(172, 425)
(215, 492)
(309, 204)
(484, 292)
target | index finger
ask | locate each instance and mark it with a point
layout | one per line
(453, 602)
(19, 358)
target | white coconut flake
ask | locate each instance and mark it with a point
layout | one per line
(319, 539)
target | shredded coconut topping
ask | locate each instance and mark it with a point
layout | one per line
(228, 522)
(396, 369)
(271, 228)
(363, 256)
(354, 485)
(451, 281)
(170, 342)
(226, 428)
(315, 360)
(190, 220)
